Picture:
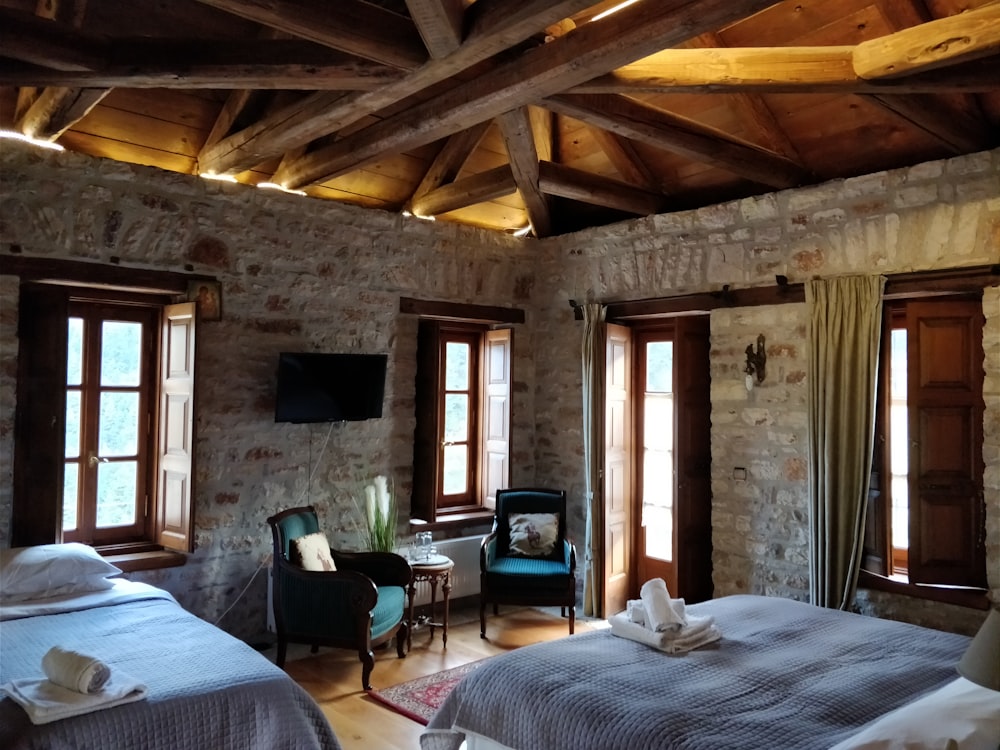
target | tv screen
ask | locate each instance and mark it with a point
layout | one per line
(315, 387)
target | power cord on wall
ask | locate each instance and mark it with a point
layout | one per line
(307, 491)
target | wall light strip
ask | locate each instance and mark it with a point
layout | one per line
(282, 188)
(15, 136)
(217, 177)
(615, 9)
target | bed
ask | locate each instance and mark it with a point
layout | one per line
(204, 688)
(784, 675)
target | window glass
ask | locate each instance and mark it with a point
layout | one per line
(74, 354)
(119, 424)
(116, 493)
(121, 353)
(457, 366)
(456, 477)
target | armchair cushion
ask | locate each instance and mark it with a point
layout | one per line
(388, 610)
(312, 552)
(533, 534)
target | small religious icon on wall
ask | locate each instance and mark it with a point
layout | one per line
(208, 295)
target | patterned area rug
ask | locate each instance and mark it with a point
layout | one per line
(419, 699)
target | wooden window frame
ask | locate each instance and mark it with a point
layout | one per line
(491, 330)
(40, 420)
(880, 560)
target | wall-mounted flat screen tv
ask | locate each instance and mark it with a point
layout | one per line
(319, 387)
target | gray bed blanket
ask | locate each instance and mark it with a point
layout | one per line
(786, 675)
(206, 689)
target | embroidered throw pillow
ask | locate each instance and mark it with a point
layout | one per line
(533, 534)
(313, 552)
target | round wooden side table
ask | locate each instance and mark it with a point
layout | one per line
(437, 569)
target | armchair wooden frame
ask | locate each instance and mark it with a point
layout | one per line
(333, 608)
(557, 590)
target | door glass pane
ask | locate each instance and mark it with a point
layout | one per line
(456, 366)
(121, 353)
(658, 476)
(658, 451)
(456, 477)
(71, 484)
(660, 367)
(456, 418)
(899, 441)
(119, 424)
(73, 424)
(116, 491)
(74, 353)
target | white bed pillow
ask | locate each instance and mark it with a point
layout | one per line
(533, 534)
(959, 716)
(313, 552)
(48, 570)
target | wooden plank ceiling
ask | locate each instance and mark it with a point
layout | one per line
(531, 116)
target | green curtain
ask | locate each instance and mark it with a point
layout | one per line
(594, 335)
(845, 320)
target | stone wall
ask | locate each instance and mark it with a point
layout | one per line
(939, 214)
(306, 274)
(297, 275)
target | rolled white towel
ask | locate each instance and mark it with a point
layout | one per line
(662, 613)
(75, 671)
(635, 611)
(621, 627)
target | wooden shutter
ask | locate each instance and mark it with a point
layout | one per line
(693, 446)
(40, 423)
(617, 468)
(175, 471)
(945, 397)
(496, 414)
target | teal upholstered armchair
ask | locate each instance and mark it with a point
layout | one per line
(359, 606)
(527, 558)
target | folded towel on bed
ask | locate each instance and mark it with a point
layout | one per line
(44, 701)
(635, 611)
(700, 631)
(75, 671)
(661, 612)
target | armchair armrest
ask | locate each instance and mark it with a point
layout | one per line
(487, 551)
(384, 568)
(570, 550)
(323, 601)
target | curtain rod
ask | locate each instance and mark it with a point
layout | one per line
(968, 279)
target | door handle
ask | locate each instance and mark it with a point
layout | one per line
(93, 459)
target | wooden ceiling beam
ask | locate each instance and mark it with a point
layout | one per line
(355, 27)
(960, 130)
(450, 160)
(970, 35)
(778, 70)
(494, 26)
(670, 132)
(623, 156)
(439, 23)
(575, 184)
(485, 186)
(56, 110)
(49, 43)
(587, 51)
(242, 67)
(519, 139)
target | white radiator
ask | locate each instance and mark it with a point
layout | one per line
(464, 551)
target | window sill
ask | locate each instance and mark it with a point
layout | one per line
(963, 597)
(453, 521)
(130, 562)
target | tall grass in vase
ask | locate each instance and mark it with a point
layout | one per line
(380, 514)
